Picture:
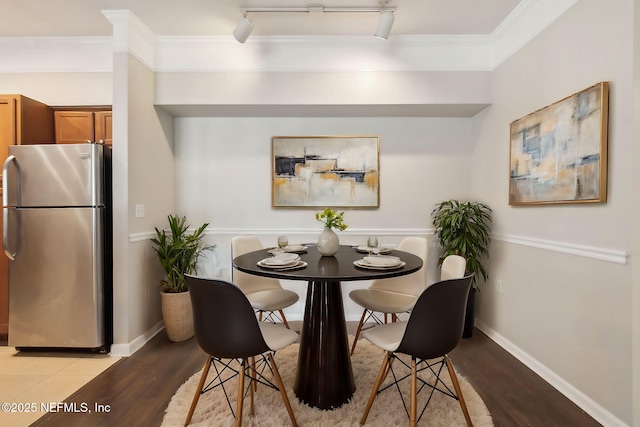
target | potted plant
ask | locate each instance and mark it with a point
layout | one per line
(328, 242)
(464, 228)
(178, 253)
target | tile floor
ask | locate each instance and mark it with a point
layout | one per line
(28, 378)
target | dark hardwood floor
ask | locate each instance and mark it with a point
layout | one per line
(138, 389)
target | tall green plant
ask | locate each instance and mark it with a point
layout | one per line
(464, 228)
(178, 252)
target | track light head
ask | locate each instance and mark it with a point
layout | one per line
(243, 30)
(385, 24)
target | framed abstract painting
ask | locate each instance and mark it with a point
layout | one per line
(558, 154)
(326, 171)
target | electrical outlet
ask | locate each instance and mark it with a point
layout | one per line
(499, 288)
(139, 211)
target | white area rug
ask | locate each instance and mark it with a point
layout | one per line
(387, 409)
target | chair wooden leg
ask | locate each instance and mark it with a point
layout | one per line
(252, 385)
(260, 316)
(283, 392)
(413, 422)
(456, 385)
(240, 393)
(203, 378)
(284, 319)
(386, 372)
(358, 330)
(253, 373)
(376, 386)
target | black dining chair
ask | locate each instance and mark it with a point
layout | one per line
(226, 328)
(434, 329)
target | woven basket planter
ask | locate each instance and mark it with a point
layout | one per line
(177, 315)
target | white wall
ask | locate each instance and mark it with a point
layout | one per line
(568, 316)
(61, 89)
(224, 177)
(144, 173)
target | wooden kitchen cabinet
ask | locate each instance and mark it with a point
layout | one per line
(22, 121)
(75, 127)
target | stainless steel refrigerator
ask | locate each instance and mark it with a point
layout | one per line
(57, 237)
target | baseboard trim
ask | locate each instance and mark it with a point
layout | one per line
(126, 350)
(584, 402)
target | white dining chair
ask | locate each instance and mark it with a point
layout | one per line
(453, 267)
(395, 295)
(267, 297)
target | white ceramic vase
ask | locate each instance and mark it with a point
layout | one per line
(328, 242)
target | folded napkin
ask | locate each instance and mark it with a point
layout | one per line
(281, 259)
(382, 260)
(379, 249)
(293, 248)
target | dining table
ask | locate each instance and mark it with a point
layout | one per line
(324, 377)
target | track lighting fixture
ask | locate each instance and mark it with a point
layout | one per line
(245, 27)
(243, 30)
(385, 24)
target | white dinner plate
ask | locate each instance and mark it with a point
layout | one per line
(297, 264)
(281, 259)
(362, 264)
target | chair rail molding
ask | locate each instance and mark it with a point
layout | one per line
(609, 255)
(423, 232)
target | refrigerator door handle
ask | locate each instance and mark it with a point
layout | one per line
(7, 211)
(6, 181)
(6, 237)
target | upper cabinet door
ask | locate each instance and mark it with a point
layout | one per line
(78, 127)
(7, 125)
(74, 127)
(103, 127)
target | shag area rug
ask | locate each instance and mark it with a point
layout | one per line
(387, 409)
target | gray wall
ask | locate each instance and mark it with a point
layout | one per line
(564, 308)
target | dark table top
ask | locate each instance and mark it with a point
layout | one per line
(332, 268)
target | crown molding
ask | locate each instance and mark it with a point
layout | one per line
(528, 19)
(324, 54)
(132, 36)
(280, 53)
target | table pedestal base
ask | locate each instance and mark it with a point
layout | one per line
(324, 379)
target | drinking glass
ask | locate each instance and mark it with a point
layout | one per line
(372, 245)
(283, 241)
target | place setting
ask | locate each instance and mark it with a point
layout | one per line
(285, 256)
(377, 259)
(285, 247)
(372, 247)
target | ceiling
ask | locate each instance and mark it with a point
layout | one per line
(219, 17)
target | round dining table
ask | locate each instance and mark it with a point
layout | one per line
(324, 378)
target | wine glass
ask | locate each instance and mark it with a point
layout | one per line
(283, 241)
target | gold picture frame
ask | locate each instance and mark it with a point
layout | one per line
(326, 171)
(558, 154)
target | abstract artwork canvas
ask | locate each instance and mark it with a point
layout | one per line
(326, 171)
(559, 153)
